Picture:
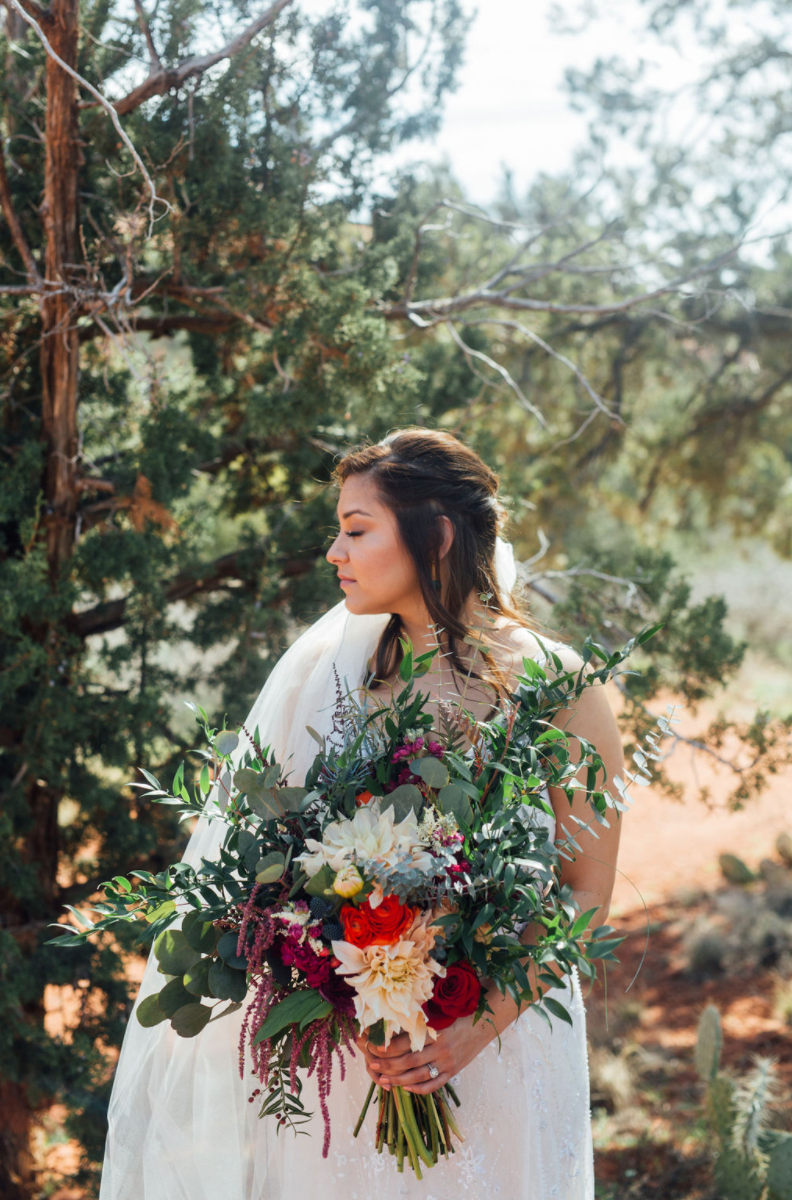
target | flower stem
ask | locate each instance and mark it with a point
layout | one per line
(412, 1125)
(452, 1123)
(362, 1116)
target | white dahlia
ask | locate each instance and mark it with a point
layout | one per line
(392, 983)
(369, 834)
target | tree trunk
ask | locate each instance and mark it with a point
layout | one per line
(19, 1106)
(60, 344)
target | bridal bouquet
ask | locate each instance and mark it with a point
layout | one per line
(378, 896)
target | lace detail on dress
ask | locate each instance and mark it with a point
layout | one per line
(525, 1118)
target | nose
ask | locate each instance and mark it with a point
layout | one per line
(336, 553)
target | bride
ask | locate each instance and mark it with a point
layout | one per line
(417, 547)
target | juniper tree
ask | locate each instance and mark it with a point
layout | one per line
(195, 321)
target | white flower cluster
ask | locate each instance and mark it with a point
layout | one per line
(435, 829)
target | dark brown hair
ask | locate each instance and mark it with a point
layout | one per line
(423, 474)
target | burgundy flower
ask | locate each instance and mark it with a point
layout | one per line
(316, 967)
(318, 972)
(455, 995)
(339, 993)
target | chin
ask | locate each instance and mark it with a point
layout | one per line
(363, 607)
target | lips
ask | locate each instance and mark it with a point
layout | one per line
(345, 579)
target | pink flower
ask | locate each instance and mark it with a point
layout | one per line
(317, 969)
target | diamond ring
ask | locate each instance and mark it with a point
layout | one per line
(434, 1071)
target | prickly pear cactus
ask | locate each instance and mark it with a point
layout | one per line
(734, 870)
(737, 1177)
(747, 1154)
(720, 1108)
(708, 1043)
(784, 847)
(779, 1169)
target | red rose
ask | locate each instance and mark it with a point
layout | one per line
(356, 920)
(456, 995)
(390, 920)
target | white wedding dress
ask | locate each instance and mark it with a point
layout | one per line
(181, 1126)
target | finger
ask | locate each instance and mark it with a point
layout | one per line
(415, 1078)
(404, 1062)
(431, 1085)
(399, 1045)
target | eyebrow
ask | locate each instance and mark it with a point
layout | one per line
(352, 512)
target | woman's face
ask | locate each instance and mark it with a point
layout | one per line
(375, 571)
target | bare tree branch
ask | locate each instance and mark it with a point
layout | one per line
(164, 79)
(89, 87)
(154, 58)
(163, 325)
(425, 313)
(12, 220)
(548, 349)
(209, 577)
(470, 352)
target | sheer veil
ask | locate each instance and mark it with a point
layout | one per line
(180, 1124)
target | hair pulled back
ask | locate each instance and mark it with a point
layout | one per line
(423, 475)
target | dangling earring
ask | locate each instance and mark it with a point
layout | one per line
(436, 583)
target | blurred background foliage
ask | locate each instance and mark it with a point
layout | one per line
(628, 374)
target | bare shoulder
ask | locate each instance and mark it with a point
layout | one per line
(511, 643)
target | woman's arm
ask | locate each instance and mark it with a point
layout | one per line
(593, 873)
(591, 877)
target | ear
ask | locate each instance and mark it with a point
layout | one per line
(447, 536)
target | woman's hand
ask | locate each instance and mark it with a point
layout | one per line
(455, 1047)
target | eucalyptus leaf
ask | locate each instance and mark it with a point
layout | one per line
(149, 1013)
(252, 855)
(174, 996)
(227, 949)
(274, 859)
(403, 800)
(246, 780)
(226, 742)
(191, 1019)
(263, 805)
(196, 980)
(291, 797)
(454, 801)
(321, 882)
(271, 776)
(431, 770)
(225, 982)
(199, 934)
(270, 874)
(245, 839)
(173, 952)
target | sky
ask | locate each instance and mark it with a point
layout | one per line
(510, 107)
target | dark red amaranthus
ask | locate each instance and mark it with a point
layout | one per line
(318, 1038)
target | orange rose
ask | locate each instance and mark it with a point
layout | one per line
(357, 925)
(390, 920)
(363, 798)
